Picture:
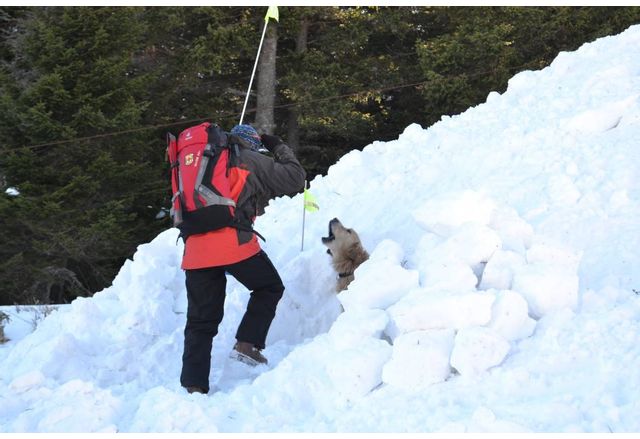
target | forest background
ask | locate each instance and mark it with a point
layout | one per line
(87, 95)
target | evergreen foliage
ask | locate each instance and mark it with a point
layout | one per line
(71, 77)
(82, 204)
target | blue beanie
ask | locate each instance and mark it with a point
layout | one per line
(248, 134)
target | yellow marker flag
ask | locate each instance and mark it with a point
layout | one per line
(272, 12)
(310, 203)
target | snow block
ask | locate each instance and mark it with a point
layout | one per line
(388, 250)
(472, 242)
(553, 254)
(424, 309)
(498, 273)
(358, 370)
(27, 381)
(439, 270)
(354, 325)
(419, 359)
(371, 288)
(516, 234)
(477, 349)
(447, 275)
(546, 288)
(510, 316)
(442, 215)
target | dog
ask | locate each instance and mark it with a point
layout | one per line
(346, 251)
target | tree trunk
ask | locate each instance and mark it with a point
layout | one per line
(293, 129)
(267, 82)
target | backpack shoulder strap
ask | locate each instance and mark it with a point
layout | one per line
(216, 137)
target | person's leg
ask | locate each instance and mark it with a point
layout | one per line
(205, 295)
(260, 276)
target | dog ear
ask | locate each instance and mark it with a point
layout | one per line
(354, 251)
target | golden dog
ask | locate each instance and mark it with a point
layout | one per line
(346, 250)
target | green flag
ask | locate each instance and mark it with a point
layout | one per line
(272, 12)
(310, 203)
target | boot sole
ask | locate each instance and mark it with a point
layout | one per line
(235, 355)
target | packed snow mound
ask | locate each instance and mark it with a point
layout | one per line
(503, 248)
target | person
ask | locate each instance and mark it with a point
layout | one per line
(255, 178)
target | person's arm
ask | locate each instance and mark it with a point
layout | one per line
(282, 175)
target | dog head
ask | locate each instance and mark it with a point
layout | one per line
(346, 251)
(340, 238)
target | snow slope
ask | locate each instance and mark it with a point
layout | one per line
(501, 294)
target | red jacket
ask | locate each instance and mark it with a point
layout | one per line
(255, 179)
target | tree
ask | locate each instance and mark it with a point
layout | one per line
(219, 62)
(266, 96)
(293, 127)
(83, 204)
(335, 70)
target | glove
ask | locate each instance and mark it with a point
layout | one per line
(270, 142)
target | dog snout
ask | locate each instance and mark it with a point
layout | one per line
(331, 235)
(333, 223)
(326, 239)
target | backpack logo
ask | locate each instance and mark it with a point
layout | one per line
(188, 160)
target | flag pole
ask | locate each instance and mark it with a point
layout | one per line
(270, 14)
(304, 209)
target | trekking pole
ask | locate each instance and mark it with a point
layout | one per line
(304, 209)
(308, 203)
(272, 12)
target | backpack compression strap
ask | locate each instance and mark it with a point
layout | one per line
(210, 197)
(216, 142)
(172, 156)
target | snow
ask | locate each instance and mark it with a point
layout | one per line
(12, 192)
(419, 358)
(510, 316)
(501, 294)
(477, 349)
(432, 309)
(371, 287)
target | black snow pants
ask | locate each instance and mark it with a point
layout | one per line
(206, 294)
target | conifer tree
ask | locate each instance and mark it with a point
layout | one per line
(83, 204)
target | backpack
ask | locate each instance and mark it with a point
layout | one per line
(200, 159)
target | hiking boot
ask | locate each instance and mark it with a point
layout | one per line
(248, 354)
(195, 389)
